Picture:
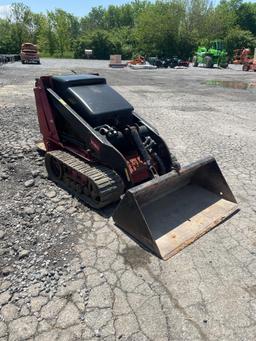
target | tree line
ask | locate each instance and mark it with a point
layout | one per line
(161, 28)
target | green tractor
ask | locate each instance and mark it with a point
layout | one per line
(216, 54)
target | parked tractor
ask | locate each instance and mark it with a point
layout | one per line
(216, 54)
(249, 64)
(242, 56)
(246, 58)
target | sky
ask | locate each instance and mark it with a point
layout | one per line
(77, 7)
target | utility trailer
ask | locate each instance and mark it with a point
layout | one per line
(29, 54)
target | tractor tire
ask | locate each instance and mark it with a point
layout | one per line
(195, 62)
(246, 67)
(159, 64)
(223, 65)
(208, 62)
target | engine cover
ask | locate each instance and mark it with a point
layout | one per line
(92, 98)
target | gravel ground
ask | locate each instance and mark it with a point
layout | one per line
(67, 273)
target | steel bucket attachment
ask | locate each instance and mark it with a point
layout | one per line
(168, 213)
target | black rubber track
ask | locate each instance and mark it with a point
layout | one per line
(107, 184)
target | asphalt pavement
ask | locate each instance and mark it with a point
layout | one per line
(68, 273)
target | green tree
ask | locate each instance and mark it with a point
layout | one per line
(238, 38)
(158, 27)
(36, 26)
(47, 39)
(66, 29)
(225, 17)
(99, 41)
(94, 20)
(246, 14)
(21, 19)
(197, 16)
(163, 28)
(7, 45)
(123, 40)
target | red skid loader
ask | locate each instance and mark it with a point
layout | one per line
(99, 149)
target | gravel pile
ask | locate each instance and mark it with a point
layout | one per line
(34, 257)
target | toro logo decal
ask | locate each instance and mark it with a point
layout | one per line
(95, 144)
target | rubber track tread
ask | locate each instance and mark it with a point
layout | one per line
(108, 182)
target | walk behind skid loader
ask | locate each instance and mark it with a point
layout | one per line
(99, 149)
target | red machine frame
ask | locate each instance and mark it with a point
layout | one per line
(135, 169)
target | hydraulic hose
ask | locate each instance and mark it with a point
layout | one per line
(144, 153)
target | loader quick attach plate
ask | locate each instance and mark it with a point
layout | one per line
(168, 213)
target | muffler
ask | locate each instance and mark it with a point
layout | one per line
(170, 212)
